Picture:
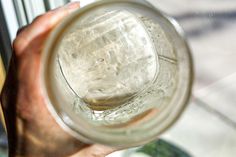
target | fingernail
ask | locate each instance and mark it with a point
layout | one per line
(73, 5)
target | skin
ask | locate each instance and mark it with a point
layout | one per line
(32, 131)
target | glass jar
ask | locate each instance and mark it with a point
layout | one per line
(117, 72)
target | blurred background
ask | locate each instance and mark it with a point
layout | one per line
(208, 126)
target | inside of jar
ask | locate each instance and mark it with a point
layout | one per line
(114, 66)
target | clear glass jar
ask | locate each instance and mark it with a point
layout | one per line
(117, 72)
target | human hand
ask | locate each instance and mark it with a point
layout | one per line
(32, 131)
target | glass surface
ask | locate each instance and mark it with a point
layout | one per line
(117, 68)
(105, 61)
(112, 65)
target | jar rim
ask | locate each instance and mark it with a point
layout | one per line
(179, 100)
